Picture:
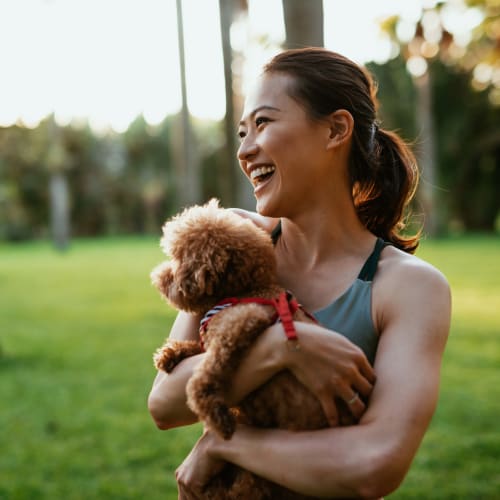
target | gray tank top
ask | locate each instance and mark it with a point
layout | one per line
(350, 314)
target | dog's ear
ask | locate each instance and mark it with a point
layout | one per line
(197, 285)
(205, 280)
(162, 277)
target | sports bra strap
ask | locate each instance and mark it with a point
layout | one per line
(368, 271)
(276, 233)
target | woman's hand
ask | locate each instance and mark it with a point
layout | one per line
(197, 469)
(327, 363)
(331, 367)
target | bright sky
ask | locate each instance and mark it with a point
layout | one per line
(110, 60)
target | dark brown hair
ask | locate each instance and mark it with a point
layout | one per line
(382, 168)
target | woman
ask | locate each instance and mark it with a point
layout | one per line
(338, 185)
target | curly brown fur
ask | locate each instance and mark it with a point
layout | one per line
(215, 254)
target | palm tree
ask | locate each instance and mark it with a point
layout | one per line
(57, 163)
(188, 175)
(234, 188)
(303, 23)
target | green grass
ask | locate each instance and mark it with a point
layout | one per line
(77, 331)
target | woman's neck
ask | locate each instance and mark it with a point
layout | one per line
(320, 256)
(321, 235)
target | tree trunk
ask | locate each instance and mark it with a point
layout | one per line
(427, 154)
(57, 162)
(303, 23)
(228, 182)
(59, 209)
(188, 175)
(235, 188)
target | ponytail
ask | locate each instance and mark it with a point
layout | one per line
(382, 168)
(384, 180)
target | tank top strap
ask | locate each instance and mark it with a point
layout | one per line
(369, 269)
(276, 233)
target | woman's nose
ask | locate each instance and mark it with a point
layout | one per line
(247, 149)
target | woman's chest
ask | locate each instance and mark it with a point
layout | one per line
(317, 288)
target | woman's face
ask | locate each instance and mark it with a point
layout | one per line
(282, 152)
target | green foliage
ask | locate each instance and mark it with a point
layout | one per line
(77, 332)
(118, 183)
(467, 139)
(395, 114)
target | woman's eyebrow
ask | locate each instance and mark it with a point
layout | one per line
(260, 108)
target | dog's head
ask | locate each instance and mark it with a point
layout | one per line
(214, 253)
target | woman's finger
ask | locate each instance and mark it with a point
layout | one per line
(330, 410)
(363, 386)
(367, 371)
(354, 403)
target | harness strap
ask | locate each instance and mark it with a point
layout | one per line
(285, 306)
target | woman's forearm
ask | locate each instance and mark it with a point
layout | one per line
(167, 399)
(336, 462)
(264, 359)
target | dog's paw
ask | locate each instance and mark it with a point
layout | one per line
(166, 359)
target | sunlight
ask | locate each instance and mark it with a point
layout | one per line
(110, 61)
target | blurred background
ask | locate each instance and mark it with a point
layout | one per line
(114, 114)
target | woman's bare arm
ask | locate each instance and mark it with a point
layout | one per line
(338, 366)
(167, 399)
(371, 459)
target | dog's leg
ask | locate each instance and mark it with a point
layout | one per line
(168, 356)
(229, 336)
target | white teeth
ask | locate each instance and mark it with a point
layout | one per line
(261, 171)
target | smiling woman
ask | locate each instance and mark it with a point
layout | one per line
(332, 186)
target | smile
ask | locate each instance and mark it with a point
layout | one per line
(260, 174)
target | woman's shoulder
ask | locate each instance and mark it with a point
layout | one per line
(407, 286)
(400, 267)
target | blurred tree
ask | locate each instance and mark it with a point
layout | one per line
(303, 23)
(468, 138)
(145, 179)
(188, 176)
(228, 193)
(23, 183)
(234, 188)
(480, 56)
(437, 36)
(57, 162)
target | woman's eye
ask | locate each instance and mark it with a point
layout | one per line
(260, 120)
(241, 134)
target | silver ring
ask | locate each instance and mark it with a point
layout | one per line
(351, 401)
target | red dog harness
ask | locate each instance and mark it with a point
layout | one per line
(285, 306)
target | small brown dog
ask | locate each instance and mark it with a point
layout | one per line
(216, 254)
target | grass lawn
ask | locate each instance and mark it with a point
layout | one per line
(77, 331)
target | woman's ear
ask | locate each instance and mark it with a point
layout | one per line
(341, 125)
